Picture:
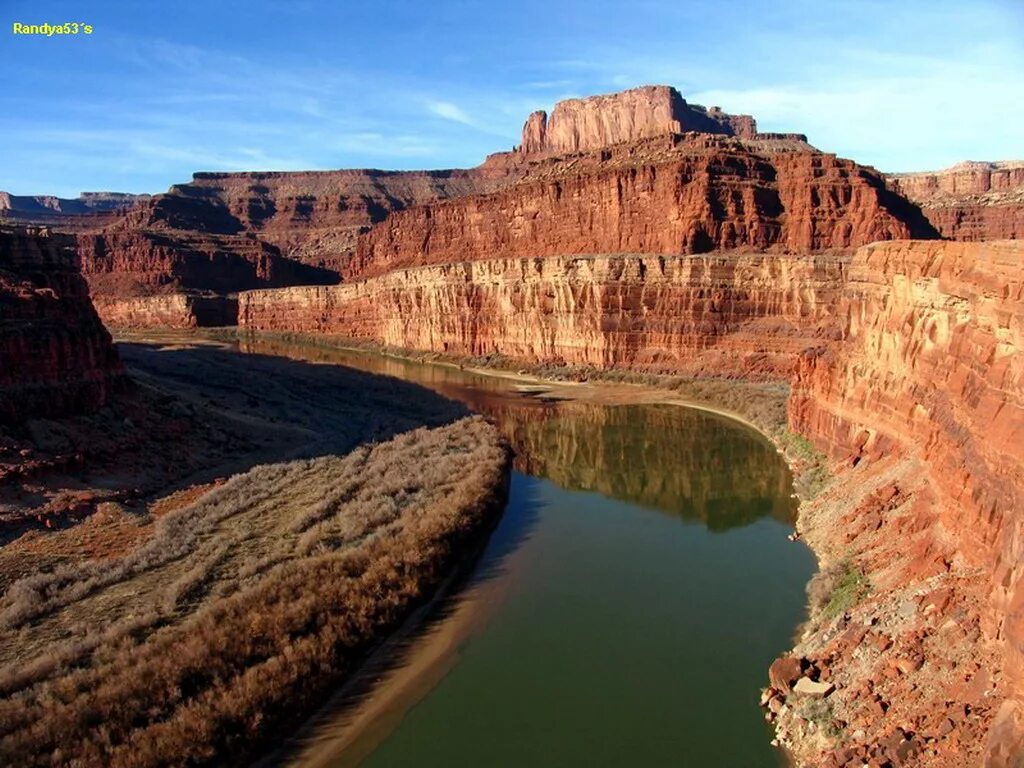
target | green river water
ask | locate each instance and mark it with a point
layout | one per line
(624, 612)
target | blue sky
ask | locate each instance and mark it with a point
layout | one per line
(162, 89)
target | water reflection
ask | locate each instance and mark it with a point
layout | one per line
(690, 464)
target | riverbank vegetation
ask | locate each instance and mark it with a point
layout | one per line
(837, 589)
(241, 609)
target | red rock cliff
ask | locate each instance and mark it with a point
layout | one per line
(56, 358)
(970, 201)
(307, 216)
(142, 263)
(586, 124)
(226, 232)
(931, 367)
(670, 195)
(737, 314)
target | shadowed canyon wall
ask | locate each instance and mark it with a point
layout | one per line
(172, 310)
(308, 215)
(58, 358)
(226, 232)
(128, 264)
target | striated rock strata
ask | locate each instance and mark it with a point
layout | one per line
(923, 401)
(56, 358)
(128, 264)
(970, 201)
(595, 122)
(172, 310)
(670, 195)
(738, 314)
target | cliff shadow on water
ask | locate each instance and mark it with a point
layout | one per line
(317, 409)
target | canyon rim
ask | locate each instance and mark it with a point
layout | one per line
(212, 520)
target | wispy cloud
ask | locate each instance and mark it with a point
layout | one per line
(450, 111)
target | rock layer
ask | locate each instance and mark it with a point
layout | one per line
(671, 195)
(308, 216)
(931, 367)
(173, 310)
(595, 122)
(738, 314)
(970, 201)
(145, 263)
(56, 358)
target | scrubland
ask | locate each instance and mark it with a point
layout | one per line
(237, 611)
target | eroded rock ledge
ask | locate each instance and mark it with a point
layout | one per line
(971, 200)
(736, 314)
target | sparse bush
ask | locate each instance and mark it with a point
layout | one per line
(838, 588)
(819, 712)
(810, 464)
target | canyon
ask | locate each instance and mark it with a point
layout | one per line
(696, 255)
(636, 232)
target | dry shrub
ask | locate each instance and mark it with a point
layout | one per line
(234, 651)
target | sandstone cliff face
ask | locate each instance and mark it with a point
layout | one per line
(931, 366)
(226, 232)
(970, 201)
(173, 310)
(595, 122)
(672, 195)
(56, 358)
(141, 263)
(294, 211)
(737, 314)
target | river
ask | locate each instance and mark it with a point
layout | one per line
(624, 611)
